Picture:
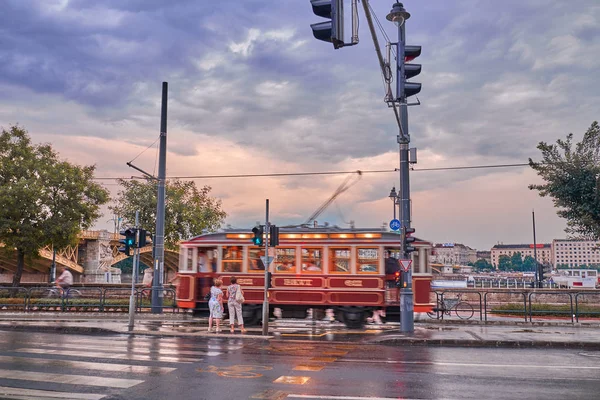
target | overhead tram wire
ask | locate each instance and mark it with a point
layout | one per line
(284, 174)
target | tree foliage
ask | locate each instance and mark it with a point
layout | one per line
(572, 179)
(482, 265)
(188, 211)
(43, 200)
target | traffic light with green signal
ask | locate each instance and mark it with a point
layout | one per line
(258, 232)
(128, 241)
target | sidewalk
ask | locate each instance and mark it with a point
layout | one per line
(498, 333)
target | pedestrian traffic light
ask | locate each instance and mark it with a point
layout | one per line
(398, 277)
(258, 235)
(411, 70)
(143, 240)
(128, 241)
(408, 240)
(273, 235)
(333, 30)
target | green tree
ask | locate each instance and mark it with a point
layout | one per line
(482, 265)
(528, 264)
(572, 180)
(516, 262)
(504, 263)
(188, 211)
(43, 201)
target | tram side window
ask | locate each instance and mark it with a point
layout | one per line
(339, 260)
(256, 264)
(312, 260)
(367, 261)
(232, 258)
(285, 260)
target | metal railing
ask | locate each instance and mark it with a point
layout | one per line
(529, 304)
(91, 299)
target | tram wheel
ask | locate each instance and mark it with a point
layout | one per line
(252, 315)
(354, 318)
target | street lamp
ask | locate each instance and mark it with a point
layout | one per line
(398, 14)
(394, 197)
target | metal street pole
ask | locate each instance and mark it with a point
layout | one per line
(53, 267)
(265, 310)
(134, 269)
(538, 277)
(406, 293)
(159, 246)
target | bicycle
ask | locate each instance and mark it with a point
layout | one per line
(54, 292)
(462, 309)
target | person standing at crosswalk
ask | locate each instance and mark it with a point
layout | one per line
(215, 305)
(234, 303)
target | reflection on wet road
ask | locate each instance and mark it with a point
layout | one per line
(52, 366)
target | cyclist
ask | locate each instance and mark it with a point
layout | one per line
(65, 280)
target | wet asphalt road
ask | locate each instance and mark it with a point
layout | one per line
(44, 366)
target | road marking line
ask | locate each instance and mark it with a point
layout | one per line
(70, 379)
(109, 355)
(17, 393)
(124, 368)
(449, 364)
(292, 380)
(311, 396)
(324, 359)
(309, 367)
(132, 350)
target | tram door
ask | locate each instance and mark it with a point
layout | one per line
(391, 264)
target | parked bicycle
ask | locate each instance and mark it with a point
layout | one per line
(462, 309)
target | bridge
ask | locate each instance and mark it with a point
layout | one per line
(95, 254)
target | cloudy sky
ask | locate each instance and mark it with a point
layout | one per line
(251, 91)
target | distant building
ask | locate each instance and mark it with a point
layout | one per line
(453, 254)
(543, 252)
(484, 255)
(575, 253)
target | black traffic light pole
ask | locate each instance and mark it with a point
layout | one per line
(406, 293)
(159, 245)
(265, 310)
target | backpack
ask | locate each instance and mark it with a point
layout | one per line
(239, 296)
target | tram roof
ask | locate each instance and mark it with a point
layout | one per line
(320, 232)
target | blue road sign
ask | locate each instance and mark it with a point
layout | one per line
(395, 225)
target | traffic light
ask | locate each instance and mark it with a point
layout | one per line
(333, 30)
(143, 240)
(546, 271)
(411, 70)
(408, 240)
(269, 276)
(273, 235)
(398, 277)
(258, 235)
(128, 241)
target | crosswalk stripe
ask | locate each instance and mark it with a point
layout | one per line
(123, 356)
(70, 379)
(133, 350)
(124, 368)
(21, 393)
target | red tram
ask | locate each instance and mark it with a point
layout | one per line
(319, 268)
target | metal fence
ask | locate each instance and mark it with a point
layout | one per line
(528, 305)
(92, 299)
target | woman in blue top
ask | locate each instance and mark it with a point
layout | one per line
(215, 305)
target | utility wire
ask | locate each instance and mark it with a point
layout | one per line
(145, 149)
(283, 174)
